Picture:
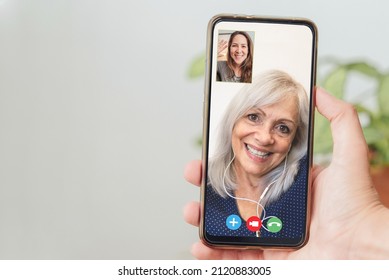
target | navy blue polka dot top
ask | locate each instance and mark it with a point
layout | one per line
(290, 208)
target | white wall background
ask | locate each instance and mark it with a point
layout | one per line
(98, 118)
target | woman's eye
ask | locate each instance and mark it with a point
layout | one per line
(283, 129)
(253, 117)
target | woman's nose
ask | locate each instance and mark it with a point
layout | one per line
(264, 136)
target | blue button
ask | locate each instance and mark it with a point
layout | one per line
(233, 222)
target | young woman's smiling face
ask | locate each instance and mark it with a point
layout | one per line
(263, 136)
(239, 49)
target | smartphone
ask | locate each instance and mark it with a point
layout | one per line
(258, 131)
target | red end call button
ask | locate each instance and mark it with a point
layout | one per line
(254, 223)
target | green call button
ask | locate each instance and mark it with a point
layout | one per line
(274, 225)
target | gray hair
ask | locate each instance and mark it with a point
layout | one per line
(269, 88)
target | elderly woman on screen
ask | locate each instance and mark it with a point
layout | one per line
(260, 159)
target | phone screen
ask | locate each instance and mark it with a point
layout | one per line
(257, 142)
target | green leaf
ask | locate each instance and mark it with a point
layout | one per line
(377, 136)
(364, 68)
(383, 95)
(322, 143)
(372, 135)
(362, 109)
(335, 81)
(382, 156)
(197, 67)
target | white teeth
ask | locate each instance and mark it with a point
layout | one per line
(256, 152)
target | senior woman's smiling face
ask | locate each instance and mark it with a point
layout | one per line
(262, 137)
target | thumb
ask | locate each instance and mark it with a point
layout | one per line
(349, 143)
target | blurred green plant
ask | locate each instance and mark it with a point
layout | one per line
(197, 67)
(336, 81)
(376, 124)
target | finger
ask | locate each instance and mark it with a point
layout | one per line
(316, 169)
(192, 213)
(192, 172)
(346, 129)
(203, 252)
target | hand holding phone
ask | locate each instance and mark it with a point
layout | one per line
(343, 197)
